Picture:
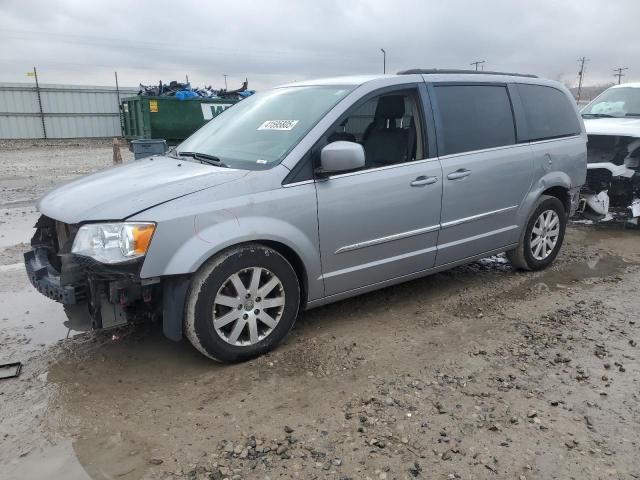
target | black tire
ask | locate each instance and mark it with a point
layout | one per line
(206, 284)
(522, 256)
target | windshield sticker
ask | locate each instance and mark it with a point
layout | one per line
(285, 125)
(261, 161)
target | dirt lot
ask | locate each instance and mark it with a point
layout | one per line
(480, 372)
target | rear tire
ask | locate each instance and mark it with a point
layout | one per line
(542, 237)
(241, 303)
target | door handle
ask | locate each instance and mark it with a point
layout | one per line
(458, 174)
(421, 181)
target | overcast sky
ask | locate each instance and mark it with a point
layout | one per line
(273, 42)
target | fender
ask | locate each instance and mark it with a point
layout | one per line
(192, 229)
(210, 233)
(210, 236)
(208, 240)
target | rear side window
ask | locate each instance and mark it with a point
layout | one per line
(474, 117)
(548, 112)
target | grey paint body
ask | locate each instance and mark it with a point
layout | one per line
(353, 232)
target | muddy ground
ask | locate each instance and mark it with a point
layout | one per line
(480, 372)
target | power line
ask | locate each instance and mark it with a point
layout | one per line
(619, 73)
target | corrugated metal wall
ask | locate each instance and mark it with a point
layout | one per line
(69, 111)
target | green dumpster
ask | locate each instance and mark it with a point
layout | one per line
(168, 118)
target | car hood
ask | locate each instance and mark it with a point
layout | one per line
(119, 192)
(624, 127)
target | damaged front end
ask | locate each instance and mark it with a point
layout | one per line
(95, 294)
(612, 188)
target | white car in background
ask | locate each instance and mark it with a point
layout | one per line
(612, 122)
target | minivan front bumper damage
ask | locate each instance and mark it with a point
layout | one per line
(97, 295)
(612, 189)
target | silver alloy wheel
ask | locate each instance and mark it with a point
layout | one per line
(544, 235)
(248, 306)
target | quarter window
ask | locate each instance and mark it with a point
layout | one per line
(548, 112)
(474, 117)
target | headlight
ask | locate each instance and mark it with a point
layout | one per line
(113, 242)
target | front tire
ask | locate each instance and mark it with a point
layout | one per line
(242, 303)
(542, 237)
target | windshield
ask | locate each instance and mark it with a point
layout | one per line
(615, 102)
(260, 130)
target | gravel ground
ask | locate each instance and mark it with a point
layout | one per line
(479, 372)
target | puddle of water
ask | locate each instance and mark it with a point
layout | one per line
(121, 455)
(28, 319)
(58, 461)
(624, 241)
(598, 267)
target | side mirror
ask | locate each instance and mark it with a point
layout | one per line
(341, 156)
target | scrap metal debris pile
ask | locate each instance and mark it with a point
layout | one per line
(183, 91)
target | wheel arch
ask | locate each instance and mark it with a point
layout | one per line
(296, 262)
(556, 184)
(561, 193)
(283, 249)
(175, 287)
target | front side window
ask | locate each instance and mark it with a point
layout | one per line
(260, 130)
(474, 117)
(615, 102)
(388, 126)
(548, 112)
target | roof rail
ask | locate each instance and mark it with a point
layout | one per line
(427, 71)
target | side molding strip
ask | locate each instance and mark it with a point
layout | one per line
(460, 221)
(390, 238)
(420, 231)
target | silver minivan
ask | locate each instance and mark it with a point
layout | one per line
(310, 193)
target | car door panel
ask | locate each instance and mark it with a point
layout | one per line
(486, 173)
(479, 210)
(375, 225)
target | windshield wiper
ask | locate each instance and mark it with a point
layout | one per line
(204, 158)
(632, 114)
(599, 115)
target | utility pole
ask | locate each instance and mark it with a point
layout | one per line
(44, 127)
(619, 73)
(119, 105)
(225, 81)
(384, 60)
(477, 64)
(581, 76)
